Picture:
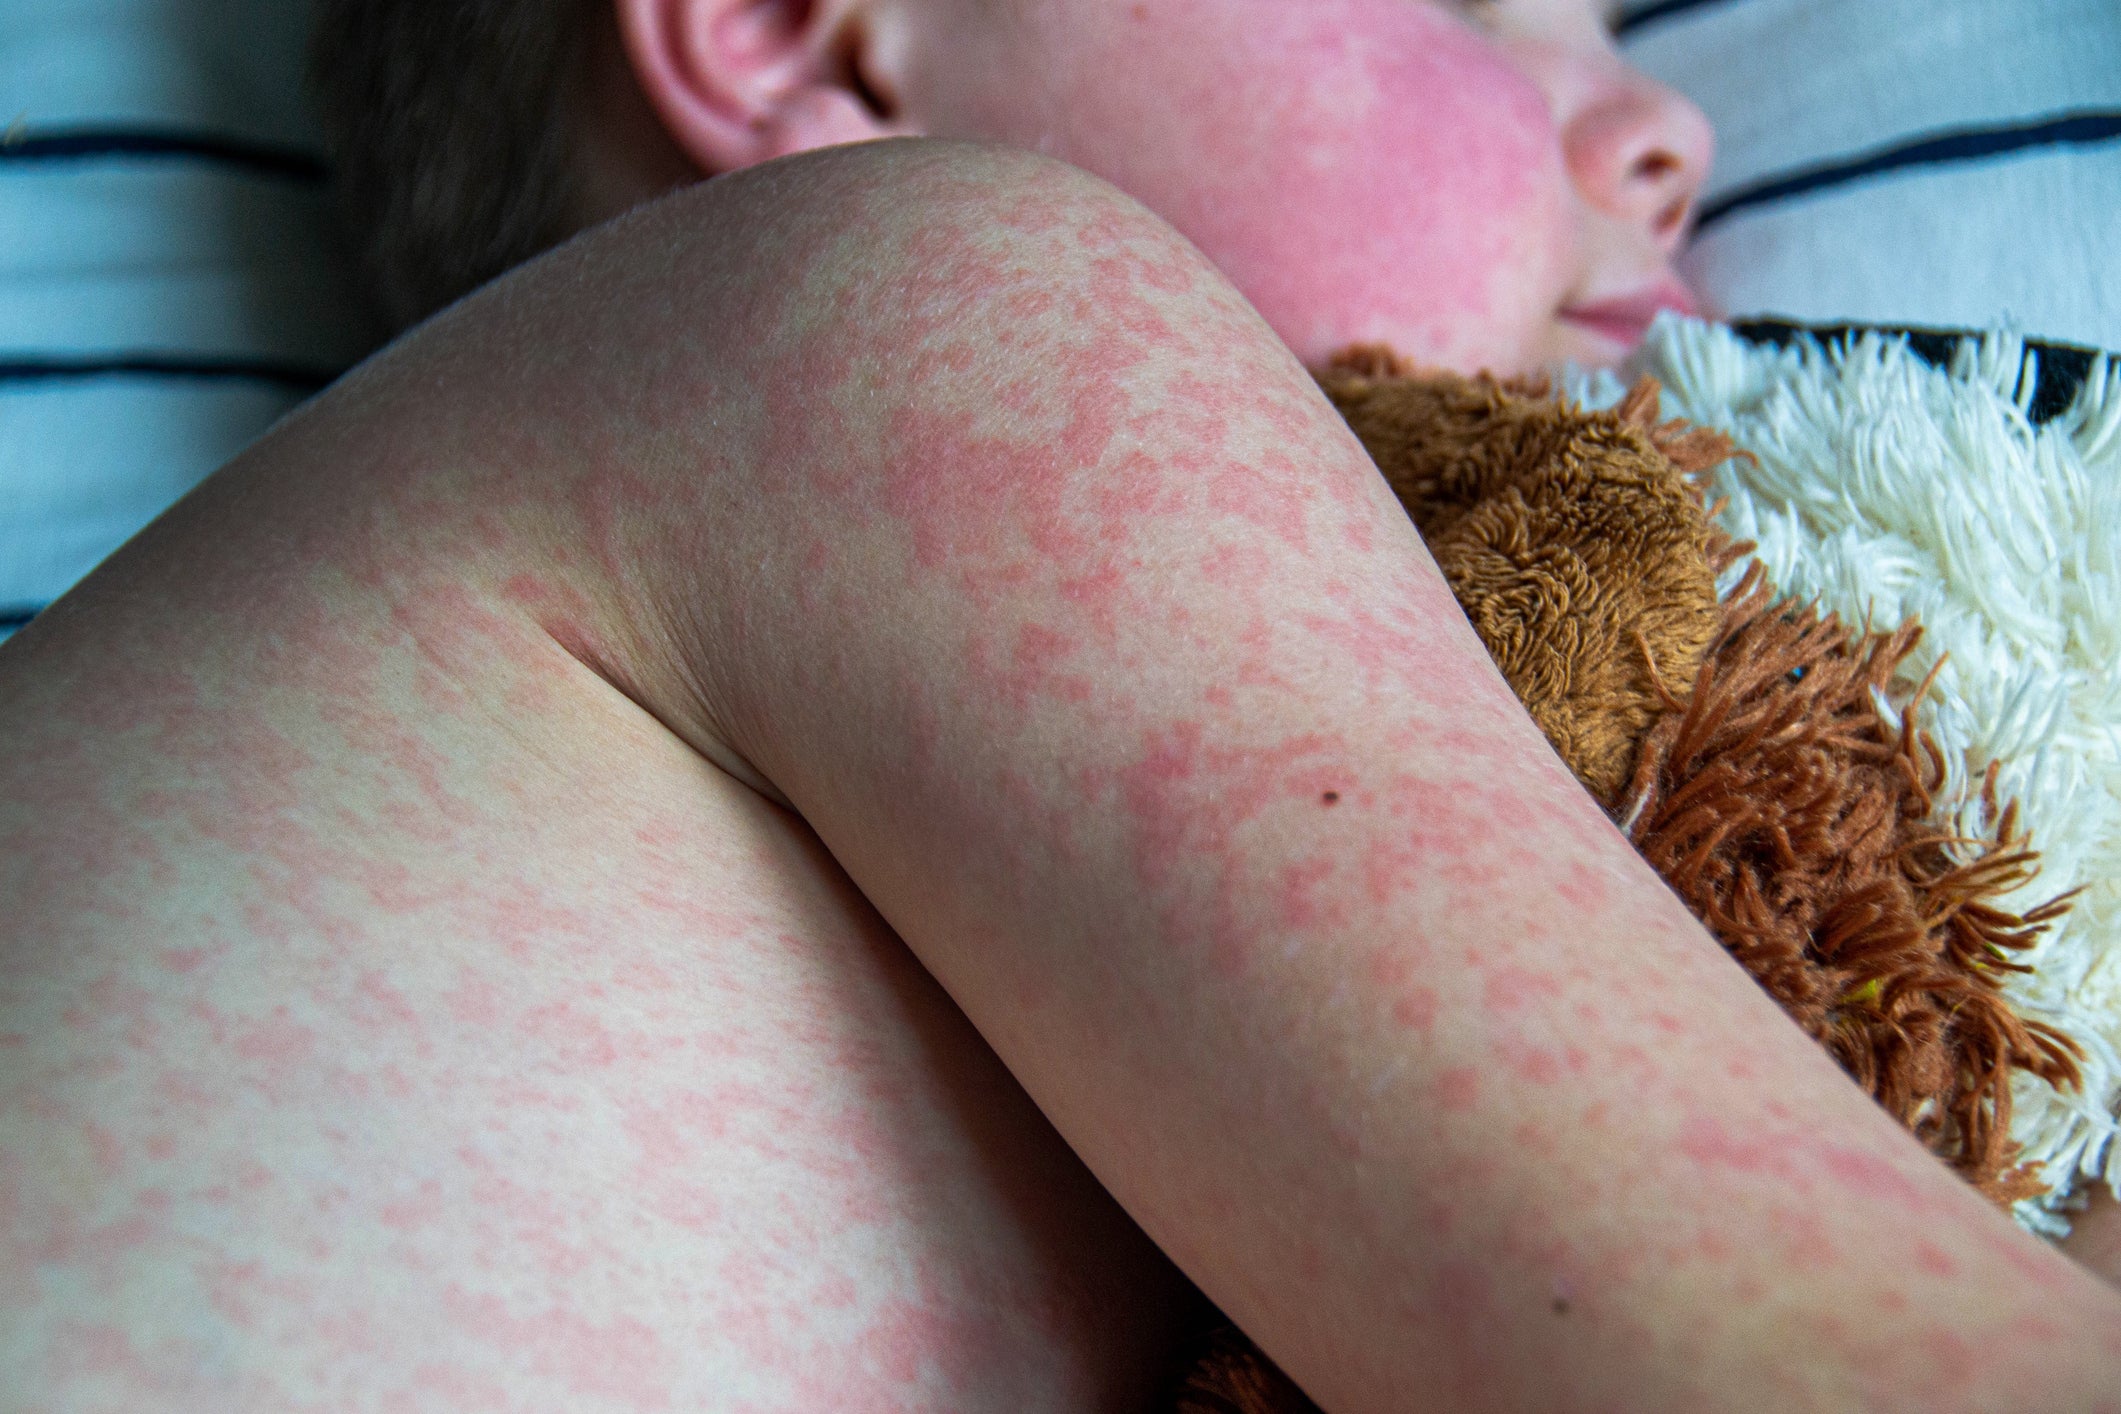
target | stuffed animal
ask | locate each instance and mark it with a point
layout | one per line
(1971, 484)
(1744, 743)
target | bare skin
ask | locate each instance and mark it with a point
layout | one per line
(2095, 1235)
(458, 864)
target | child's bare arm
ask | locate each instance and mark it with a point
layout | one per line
(2095, 1236)
(1095, 651)
(951, 499)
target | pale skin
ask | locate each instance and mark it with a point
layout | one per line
(476, 871)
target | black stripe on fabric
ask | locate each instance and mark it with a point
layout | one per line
(86, 144)
(37, 368)
(1651, 14)
(13, 616)
(2059, 377)
(1961, 145)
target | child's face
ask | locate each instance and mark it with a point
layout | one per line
(1480, 183)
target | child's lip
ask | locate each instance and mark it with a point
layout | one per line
(1624, 319)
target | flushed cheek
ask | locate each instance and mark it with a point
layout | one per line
(1366, 171)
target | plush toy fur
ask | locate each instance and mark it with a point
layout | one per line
(1739, 741)
(1570, 542)
(1975, 488)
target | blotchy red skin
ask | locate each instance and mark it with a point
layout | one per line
(461, 871)
(1364, 170)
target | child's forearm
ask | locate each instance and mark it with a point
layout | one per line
(2095, 1236)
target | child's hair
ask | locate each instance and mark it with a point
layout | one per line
(450, 123)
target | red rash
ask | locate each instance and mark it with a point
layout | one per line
(1206, 818)
(1446, 250)
(1458, 1088)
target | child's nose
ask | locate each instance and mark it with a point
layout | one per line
(1640, 151)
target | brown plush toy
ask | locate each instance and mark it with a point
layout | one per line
(1734, 739)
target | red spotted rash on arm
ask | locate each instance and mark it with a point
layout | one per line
(898, 615)
(1139, 721)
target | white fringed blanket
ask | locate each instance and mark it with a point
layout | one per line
(1887, 488)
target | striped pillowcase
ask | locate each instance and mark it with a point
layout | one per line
(170, 282)
(1904, 162)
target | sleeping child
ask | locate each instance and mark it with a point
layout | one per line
(825, 795)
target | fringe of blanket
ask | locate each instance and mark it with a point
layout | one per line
(1887, 490)
(1774, 803)
(1792, 818)
(1230, 1375)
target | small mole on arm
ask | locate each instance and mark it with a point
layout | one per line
(1331, 797)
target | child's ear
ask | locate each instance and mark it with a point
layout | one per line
(740, 81)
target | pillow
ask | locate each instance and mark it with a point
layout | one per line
(1904, 162)
(169, 278)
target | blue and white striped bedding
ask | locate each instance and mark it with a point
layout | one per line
(169, 278)
(1904, 162)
